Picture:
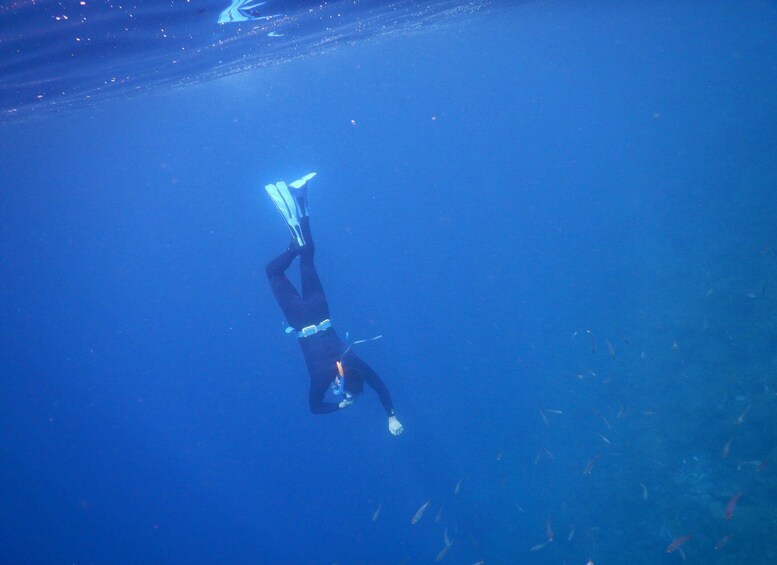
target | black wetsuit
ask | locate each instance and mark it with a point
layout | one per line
(323, 349)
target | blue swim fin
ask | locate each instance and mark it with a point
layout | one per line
(299, 190)
(245, 10)
(281, 196)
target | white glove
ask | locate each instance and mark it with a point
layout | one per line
(345, 402)
(394, 426)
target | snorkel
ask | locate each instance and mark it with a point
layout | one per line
(338, 385)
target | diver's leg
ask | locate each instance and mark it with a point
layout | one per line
(292, 201)
(277, 266)
(285, 294)
(311, 283)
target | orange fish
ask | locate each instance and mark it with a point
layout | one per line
(732, 505)
(727, 448)
(722, 541)
(677, 543)
(606, 423)
(741, 418)
(590, 465)
(443, 552)
(610, 348)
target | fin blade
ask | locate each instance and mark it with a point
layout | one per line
(299, 183)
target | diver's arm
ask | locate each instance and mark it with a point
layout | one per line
(372, 379)
(395, 427)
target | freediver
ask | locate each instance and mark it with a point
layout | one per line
(331, 363)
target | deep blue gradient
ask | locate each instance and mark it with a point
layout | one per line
(552, 207)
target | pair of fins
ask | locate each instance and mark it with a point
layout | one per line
(245, 10)
(292, 202)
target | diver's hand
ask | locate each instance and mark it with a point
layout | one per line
(345, 402)
(394, 426)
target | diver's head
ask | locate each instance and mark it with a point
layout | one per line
(338, 386)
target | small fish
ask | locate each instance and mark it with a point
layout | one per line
(621, 413)
(443, 553)
(644, 491)
(445, 539)
(590, 465)
(593, 340)
(741, 418)
(553, 411)
(732, 505)
(726, 448)
(376, 514)
(538, 546)
(722, 541)
(438, 516)
(480, 563)
(610, 348)
(571, 534)
(606, 423)
(604, 439)
(753, 462)
(542, 451)
(457, 489)
(544, 418)
(548, 530)
(420, 512)
(677, 543)
(500, 455)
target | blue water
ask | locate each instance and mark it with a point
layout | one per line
(559, 215)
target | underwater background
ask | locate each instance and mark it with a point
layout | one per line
(559, 215)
